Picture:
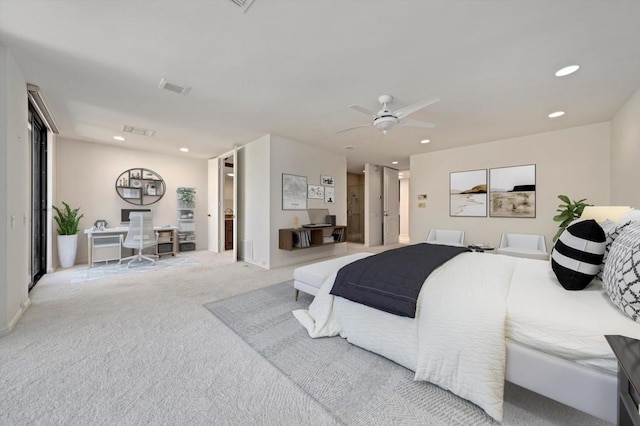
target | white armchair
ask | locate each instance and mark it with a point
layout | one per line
(140, 235)
(523, 245)
(451, 237)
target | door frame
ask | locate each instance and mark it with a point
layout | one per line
(39, 148)
(391, 206)
(216, 203)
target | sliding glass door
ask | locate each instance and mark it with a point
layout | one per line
(38, 134)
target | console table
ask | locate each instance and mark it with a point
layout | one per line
(104, 245)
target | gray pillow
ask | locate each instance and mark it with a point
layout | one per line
(621, 278)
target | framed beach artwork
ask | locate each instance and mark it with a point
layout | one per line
(294, 192)
(512, 191)
(468, 193)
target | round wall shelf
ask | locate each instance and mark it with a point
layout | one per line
(140, 186)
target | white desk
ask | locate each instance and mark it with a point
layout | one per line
(108, 242)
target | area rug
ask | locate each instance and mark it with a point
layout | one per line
(114, 269)
(359, 387)
(356, 386)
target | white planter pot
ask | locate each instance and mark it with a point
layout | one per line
(67, 247)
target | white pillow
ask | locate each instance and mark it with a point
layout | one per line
(622, 271)
(631, 215)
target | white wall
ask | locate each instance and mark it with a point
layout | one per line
(86, 178)
(288, 156)
(625, 153)
(253, 212)
(15, 193)
(574, 162)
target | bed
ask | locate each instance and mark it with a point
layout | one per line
(484, 318)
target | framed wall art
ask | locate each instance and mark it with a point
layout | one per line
(329, 195)
(512, 191)
(468, 193)
(315, 191)
(327, 180)
(294, 192)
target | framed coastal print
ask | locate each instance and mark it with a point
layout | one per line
(512, 191)
(468, 193)
(294, 192)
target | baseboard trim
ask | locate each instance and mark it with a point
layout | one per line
(23, 307)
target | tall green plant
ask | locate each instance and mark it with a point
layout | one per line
(67, 219)
(569, 211)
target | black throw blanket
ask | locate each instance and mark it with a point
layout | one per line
(391, 281)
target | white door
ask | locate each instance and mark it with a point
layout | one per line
(213, 213)
(391, 206)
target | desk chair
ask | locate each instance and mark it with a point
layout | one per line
(140, 235)
(523, 245)
(446, 236)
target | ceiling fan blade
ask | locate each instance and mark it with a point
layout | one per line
(363, 110)
(410, 109)
(352, 128)
(415, 123)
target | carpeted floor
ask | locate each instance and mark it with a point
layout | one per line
(357, 386)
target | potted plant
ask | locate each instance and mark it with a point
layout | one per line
(569, 211)
(67, 220)
(186, 196)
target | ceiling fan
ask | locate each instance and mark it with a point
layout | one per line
(385, 119)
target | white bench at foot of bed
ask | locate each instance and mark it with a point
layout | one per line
(310, 278)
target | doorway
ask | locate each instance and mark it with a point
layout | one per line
(228, 203)
(38, 140)
(355, 208)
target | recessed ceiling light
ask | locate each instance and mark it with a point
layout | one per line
(567, 70)
(184, 149)
(394, 162)
(400, 175)
(230, 174)
(556, 114)
(425, 141)
(119, 138)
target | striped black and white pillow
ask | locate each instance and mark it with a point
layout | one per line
(577, 255)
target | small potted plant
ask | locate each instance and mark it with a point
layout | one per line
(68, 221)
(186, 196)
(569, 211)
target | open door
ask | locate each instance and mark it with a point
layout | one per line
(213, 214)
(391, 206)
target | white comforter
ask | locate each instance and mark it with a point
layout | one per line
(457, 339)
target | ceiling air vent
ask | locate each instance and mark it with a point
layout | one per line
(164, 84)
(243, 4)
(138, 130)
